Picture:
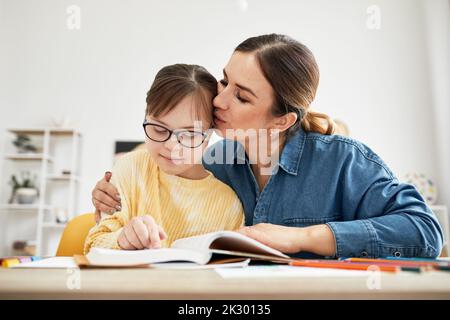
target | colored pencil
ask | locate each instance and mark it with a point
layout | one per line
(342, 265)
(403, 262)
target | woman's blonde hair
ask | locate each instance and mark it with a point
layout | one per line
(292, 71)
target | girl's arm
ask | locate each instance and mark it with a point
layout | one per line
(106, 233)
(124, 227)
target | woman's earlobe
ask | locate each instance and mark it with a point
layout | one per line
(292, 118)
(286, 121)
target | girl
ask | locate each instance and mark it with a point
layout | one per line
(165, 191)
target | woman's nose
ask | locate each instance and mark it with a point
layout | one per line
(221, 100)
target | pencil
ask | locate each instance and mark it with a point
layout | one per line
(342, 265)
(442, 268)
(406, 263)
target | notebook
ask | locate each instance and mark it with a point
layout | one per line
(215, 247)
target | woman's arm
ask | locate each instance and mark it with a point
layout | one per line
(105, 197)
(107, 231)
(379, 217)
(318, 239)
(391, 219)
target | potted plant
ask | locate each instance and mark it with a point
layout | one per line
(25, 190)
(23, 144)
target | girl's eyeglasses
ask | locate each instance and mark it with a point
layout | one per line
(187, 138)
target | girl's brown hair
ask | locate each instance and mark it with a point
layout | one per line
(175, 82)
(292, 71)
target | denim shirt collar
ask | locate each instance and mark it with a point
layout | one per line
(292, 152)
(290, 156)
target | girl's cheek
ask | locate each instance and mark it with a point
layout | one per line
(147, 146)
(184, 154)
(153, 148)
(190, 155)
(198, 155)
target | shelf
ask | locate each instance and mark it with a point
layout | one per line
(28, 157)
(48, 139)
(29, 131)
(23, 207)
(40, 131)
(54, 225)
(63, 177)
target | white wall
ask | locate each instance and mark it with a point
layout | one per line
(438, 44)
(378, 81)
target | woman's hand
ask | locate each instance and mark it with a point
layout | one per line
(282, 238)
(105, 197)
(318, 239)
(141, 233)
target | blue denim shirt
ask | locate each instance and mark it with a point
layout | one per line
(338, 181)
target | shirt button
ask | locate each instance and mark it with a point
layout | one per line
(364, 254)
(397, 254)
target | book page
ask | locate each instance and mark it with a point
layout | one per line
(254, 256)
(193, 266)
(200, 243)
(226, 240)
(118, 258)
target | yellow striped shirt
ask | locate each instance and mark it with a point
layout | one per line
(183, 207)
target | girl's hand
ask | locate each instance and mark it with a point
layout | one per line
(318, 239)
(141, 233)
(105, 197)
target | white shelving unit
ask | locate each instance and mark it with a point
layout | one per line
(37, 156)
(23, 207)
(48, 175)
(441, 213)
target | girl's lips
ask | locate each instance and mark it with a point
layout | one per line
(170, 159)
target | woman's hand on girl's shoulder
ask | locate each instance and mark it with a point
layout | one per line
(105, 197)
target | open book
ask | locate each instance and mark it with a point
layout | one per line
(198, 249)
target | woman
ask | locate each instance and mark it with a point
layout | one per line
(327, 195)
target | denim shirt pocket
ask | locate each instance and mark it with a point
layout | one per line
(309, 221)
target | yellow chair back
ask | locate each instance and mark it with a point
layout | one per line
(72, 239)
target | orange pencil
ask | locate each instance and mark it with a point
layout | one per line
(341, 265)
(406, 263)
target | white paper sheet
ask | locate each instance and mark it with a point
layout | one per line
(49, 263)
(69, 262)
(274, 271)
